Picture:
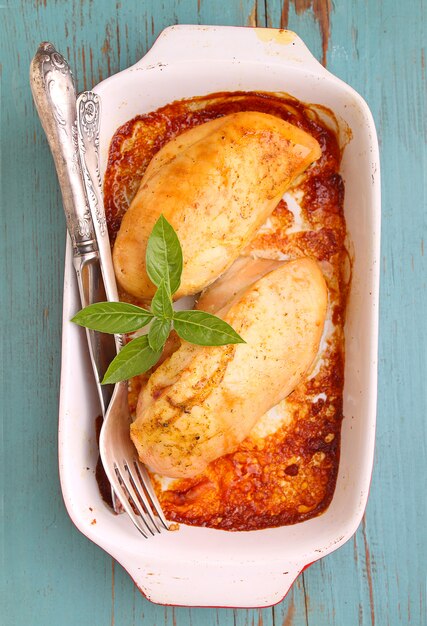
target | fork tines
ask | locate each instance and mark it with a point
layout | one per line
(141, 503)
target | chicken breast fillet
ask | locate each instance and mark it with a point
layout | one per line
(229, 288)
(203, 401)
(216, 184)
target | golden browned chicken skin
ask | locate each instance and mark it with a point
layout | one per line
(216, 184)
(203, 401)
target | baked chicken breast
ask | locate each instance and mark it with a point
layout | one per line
(203, 401)
(216, 184)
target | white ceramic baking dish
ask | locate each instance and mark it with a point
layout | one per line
(199, 566)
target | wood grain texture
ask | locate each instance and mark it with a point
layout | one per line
(50, 573)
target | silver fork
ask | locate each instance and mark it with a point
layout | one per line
(128, 477)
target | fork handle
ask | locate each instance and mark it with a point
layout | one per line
(88, 128)
(54, 93)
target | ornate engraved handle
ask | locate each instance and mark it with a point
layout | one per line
(54, 95)
(88, 127)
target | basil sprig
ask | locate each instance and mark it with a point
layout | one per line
(164, 267)
(204, 329)
(113, 317)
(134, 358)
(163, 257)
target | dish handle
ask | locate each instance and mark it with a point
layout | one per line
(249, 585)
(190, 43)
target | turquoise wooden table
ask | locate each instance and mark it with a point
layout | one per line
(52, 575)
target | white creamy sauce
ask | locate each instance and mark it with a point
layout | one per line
(266, 227)
(164, 481)
(328, 331)
(271, 421)
(274, 255)
(293, 201)
(320, 396)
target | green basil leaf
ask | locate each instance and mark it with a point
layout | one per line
(113, 317)
(164, 256)
(204, 329)
(159, 331)
(161, 304)
(135, 358)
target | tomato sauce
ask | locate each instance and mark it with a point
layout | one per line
(286, 474)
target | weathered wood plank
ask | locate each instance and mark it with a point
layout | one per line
(53, 574)
(377, 577)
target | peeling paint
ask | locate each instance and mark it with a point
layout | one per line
(368, 571)
(322, 12)
(84, 68)
(113, 563)
(290, 613)
(253, 17)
